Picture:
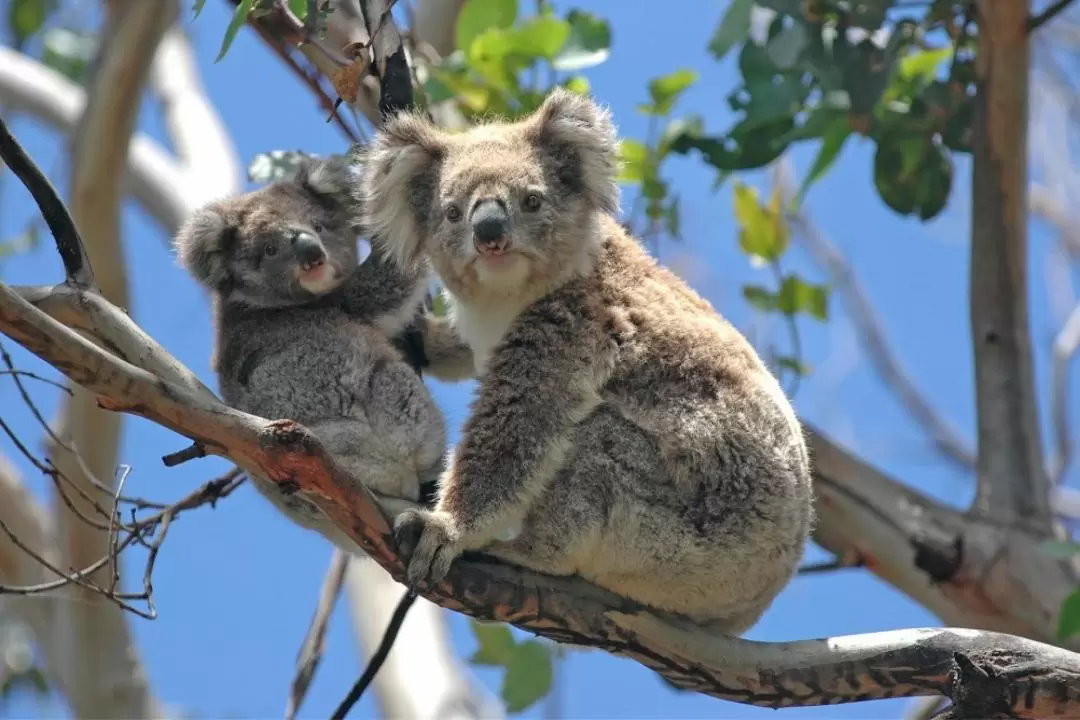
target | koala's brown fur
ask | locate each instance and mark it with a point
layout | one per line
(623, 430)
(305, 332)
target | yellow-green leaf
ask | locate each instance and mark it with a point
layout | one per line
(757, 233)
(665, 90)
(924, 63)
(541, 36)
(476, 16)
(579, 84)
(634, 158)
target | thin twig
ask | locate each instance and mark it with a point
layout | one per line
(1055, 9)
(311, 651)
(378, 658)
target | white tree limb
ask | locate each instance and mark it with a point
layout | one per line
(107, 676)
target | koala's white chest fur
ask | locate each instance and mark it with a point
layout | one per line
(481, 325)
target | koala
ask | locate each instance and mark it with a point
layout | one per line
(304, 331)
(622, 430)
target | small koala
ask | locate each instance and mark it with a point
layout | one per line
(305, 332)
(622, 430)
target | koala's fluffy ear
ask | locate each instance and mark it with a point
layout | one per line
(202, 246)
(332, 180)
(398, 184)
(580, 137)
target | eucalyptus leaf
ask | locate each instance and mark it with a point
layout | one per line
(734, 28)
(478, 16)
(528, 676)
(495, 639)
(589, 43)
(237, 21)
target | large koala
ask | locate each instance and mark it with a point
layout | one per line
(304, 332)
(622, 430)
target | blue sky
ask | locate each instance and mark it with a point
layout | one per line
(235, 586)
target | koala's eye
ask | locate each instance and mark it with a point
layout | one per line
(531, 203)
(453, 213)
(317, 226)
(269, 249)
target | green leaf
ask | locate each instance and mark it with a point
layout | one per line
(793, 364)
(25, 17)
(798, 296)
(589, 43)
(762, 234)
(542, 36)
(577, 83)
(69, 52)
(275, 165)
(923, 64)
(477, 16)
(496, 641)
(734, 28)
(784, 49)
(299, 8)
(1069, 618)
(912, 174)
(238, 18)
(760, 298)
(831, 145)
(665, 90)
(528, 676)
(634, 158)
(1060, 548)
(491, 54)
(439, 308)
(198, 6)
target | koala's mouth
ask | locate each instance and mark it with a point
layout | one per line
(317, 277)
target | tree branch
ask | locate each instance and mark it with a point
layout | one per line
(1013, 486)
(1032, 679)
(851, 669)
(68, 243)
(108, 677)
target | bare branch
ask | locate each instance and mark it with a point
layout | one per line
(68, 243)
(883, 360)
(1013, 485)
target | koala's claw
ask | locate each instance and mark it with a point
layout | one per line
(408, 527)
(427, 539)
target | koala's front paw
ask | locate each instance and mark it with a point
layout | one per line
(430, 542)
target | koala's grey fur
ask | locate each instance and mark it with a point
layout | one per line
(315, 345)
(623, 430)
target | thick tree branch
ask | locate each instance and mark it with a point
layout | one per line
(910, 662)
(108, 677)
(1013, 486)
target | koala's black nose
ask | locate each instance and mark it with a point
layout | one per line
(490, 225)
(308, 249)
